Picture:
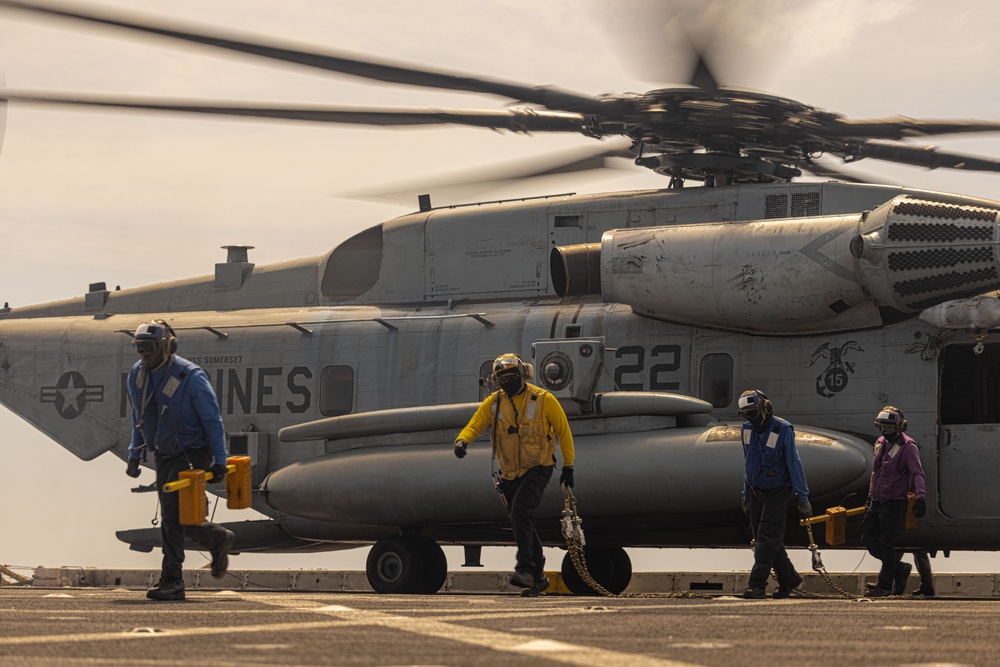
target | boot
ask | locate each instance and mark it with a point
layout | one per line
(220, 554)
(785, 590)
(522, 580)
(754, 593)
(902, 574)
(167, 589)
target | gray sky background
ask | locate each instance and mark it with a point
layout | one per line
(132, 198)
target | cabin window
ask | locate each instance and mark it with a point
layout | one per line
(336, 391)
(717, 379)
(970, 385)
(566, 221)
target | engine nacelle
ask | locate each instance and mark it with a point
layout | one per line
(801, 275)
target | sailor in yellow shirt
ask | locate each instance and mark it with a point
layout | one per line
(523, 435)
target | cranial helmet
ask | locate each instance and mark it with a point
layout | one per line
(890, 421)
(754, 406)
(157, 332)
(510, 365)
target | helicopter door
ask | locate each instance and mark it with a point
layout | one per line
(969, 437)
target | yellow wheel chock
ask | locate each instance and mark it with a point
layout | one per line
(836, 523)
(836, 520)
(190, 487)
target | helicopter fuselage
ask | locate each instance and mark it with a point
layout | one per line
(409, 314)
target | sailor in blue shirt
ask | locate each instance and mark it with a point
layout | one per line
(772, 471)
(175, 415)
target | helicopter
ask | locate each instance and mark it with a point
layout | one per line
(337, 429)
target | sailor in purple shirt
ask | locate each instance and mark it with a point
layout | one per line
(895, 472)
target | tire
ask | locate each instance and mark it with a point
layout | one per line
(396, 565)
(435, 565)
(600, 565)
(622, 570)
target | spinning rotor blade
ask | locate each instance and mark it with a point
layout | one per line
(902, 128)
(550, 98)
(921, 156)
(468, 186)
(515, 120)
(702, 76)
(826, 171)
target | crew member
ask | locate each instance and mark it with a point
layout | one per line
(922, 559)
(772, 471)
(524, 421)
(895, 471)
(175, 415)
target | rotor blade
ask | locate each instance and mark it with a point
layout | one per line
(515, 120)
(702, 76)
(548, 97)
(902, 127)
(3, 115)
(826, 171)
(921, 156)
(468, 186)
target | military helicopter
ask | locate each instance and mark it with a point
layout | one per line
(645, 312)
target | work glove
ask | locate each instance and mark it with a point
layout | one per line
(919, 508)
(567, 476)
(745, 504)
(133, 469)
(218, 471)
(460, 448)
(805, 509)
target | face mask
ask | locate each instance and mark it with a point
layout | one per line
(756, 417)
(510, 384)
(889, 432)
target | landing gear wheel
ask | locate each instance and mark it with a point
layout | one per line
(395, 565)
(406, 564)
(435, 565)
(622, 570)
(609, 566)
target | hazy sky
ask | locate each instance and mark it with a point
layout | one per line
(136, 198)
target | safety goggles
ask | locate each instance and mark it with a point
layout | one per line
(145, 346)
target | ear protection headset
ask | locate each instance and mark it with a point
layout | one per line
(159, 331)
(170, 338)
(753, 401)
(891, 416)
(507, 361)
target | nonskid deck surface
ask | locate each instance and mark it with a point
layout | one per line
(77, 626)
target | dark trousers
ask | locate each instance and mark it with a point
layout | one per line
(923, 562)
(768, 514)
(880, 530)
(208, 535)
(523, 496)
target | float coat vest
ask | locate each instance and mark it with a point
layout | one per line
(519, 440)
(765, 465)
(161, 426)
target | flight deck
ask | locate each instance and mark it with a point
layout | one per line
(223, 628)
